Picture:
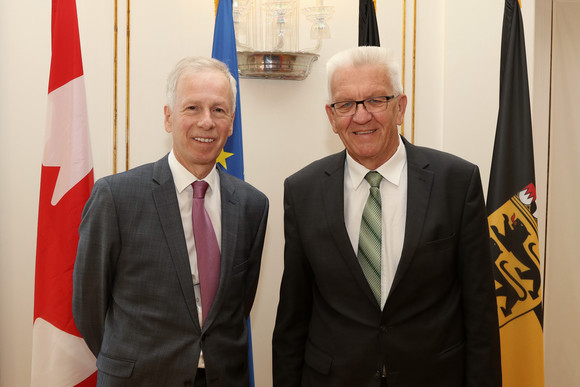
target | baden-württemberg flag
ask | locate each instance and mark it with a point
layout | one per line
(232, 157)
(511, 205)
(368, 29)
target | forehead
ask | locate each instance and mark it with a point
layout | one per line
(202, 81)
(358, 82)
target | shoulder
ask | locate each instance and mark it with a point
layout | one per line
(136, 178)
(436, 160)
(449, 172)
(240, 188)
(325, 166)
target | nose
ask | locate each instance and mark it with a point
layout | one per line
(361, 114)
(205, 120)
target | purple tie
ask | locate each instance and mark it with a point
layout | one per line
(208, 253)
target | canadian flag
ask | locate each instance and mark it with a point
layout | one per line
(60, 356)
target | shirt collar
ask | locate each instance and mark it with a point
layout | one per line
(183, 178)
(391, 170)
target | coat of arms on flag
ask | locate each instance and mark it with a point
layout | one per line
(515, 250)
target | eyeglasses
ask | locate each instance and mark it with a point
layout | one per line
(372, 105)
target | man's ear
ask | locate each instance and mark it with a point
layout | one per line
(167, 120)
(401, 108)
(330, 113)
(232, 125)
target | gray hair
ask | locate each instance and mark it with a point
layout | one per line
(197, 64)
(366, 56)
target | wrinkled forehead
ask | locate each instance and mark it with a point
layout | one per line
(203, 81)
(195, 75)
(352, 81)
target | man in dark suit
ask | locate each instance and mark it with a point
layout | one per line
(139, 295)
(409, 303)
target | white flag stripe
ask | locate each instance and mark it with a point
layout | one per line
(59, 359)
(68, 142)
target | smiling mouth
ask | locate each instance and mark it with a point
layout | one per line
(365, 131)
(202, 139)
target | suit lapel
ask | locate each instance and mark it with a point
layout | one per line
(419, 184)
(229, 221)
(333, 194)
(168, 210)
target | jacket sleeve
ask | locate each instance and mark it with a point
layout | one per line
(482, 361)
(295, 305)
(255, 258)
(98, 248)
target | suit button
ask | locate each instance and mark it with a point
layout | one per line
(384, 328)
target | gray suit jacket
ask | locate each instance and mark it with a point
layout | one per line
(439, 325)
(133, 296)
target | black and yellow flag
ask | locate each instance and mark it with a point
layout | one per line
(511, 205)
(368, 30)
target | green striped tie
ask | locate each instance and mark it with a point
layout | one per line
(369, 244)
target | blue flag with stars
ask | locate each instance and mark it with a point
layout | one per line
(232, 156)
(224, 49)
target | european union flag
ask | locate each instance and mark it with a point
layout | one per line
(232, 156)
(224, 49)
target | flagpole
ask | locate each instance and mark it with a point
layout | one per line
(549, 152)
(128, 88)
(413, 74)
(404, 53)
(413, 64)
(115, 77)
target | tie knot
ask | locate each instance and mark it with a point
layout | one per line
(374, 178)
(199, 188)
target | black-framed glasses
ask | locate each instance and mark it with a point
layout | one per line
(372, 105)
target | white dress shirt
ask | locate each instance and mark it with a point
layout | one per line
(394, 209)
(183, 180)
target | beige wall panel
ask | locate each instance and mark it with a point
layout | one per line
(562, 301)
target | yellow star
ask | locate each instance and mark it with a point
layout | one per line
(222, 158)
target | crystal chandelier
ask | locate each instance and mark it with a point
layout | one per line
(267, 33)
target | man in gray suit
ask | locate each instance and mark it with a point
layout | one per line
(401, 295)
(137, 299)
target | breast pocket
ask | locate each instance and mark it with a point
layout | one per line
(437, 245)
(240, 267)
(436, 258)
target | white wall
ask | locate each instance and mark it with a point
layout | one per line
(284, 124)
(563, 289)
(24, 63)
